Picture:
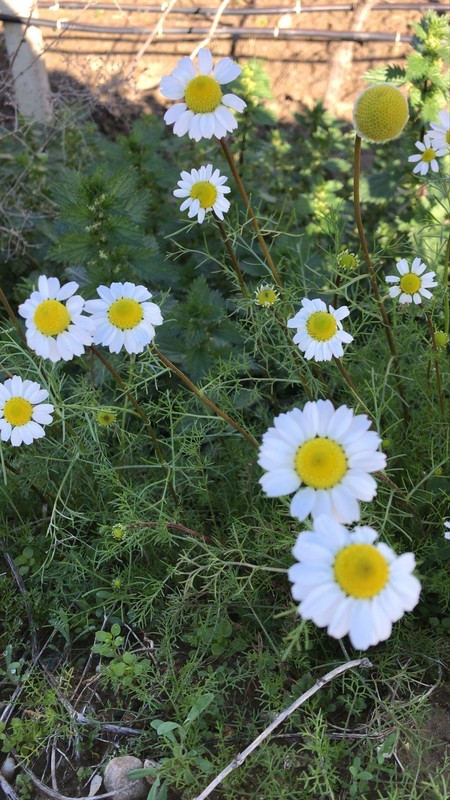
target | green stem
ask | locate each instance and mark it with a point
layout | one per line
(350, 384)
(203, 397)
(297, 356)
(232, 255)
(436, 361)
(447, 287)
(250, 212)
(365, 249)
(141, 413)
(373, 278)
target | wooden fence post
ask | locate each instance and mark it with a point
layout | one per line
(25, 47)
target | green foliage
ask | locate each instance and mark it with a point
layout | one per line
(426, 74)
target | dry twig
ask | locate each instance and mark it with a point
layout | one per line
(240, 758)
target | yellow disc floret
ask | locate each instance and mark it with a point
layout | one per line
(51, 317)
(202, 94)
(320, 463)
(321, 326)
(410, 283)
(380, 113)
(205, 192)
(361, 571)
(18, 411)
(125, 313)
(428, 155)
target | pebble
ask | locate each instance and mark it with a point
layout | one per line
(116, 779)
(8, 768)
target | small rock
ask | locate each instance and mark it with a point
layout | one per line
(116, 779)
(8, 768)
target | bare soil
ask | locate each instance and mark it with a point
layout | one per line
(104, 68)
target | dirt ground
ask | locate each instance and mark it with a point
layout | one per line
(119, 67)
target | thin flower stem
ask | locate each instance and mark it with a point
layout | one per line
(141, 413)
(250, 212)
(447, 287)
(365, 249)
(373, 278)
(232, 255)
(350, 384)
(203, 397)
(11, 315)
(297, 356)
(436, 360)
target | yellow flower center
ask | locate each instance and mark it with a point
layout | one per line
(17, 411)
(205, 192)
(321, 326)
(125, 313)
(51, 317)
(380, 113)
(266, 297)
(361, 570)
(320, 463)
(202, 94)
(428, 155)
(410, 283)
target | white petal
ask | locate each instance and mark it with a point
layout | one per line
(171, 88)
(279, 482)
(207, 125)
(183, 122)
(174, 112)
(226, 70)
(205, 61)
(233, 101)
(302, 503)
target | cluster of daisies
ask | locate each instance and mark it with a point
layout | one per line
(202, 111)
(344, 580)
(60, 324)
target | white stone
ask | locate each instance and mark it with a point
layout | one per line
(116, 779)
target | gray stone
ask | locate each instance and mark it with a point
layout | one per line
(116, 779)
(8, 768)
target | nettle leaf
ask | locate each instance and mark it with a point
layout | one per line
(389, 73)
(378, 187)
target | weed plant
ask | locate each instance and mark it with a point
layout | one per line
(146, 605)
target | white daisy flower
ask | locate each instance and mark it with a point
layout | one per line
(447, 530)
(55, 326)
(440, 132)
(319, 332)
(266, 295)
(324, 455)
(204, 111)
(123, 317)
(204, 190)
(22, 412)
(412, 285)
(427, 156)
(349, 584)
